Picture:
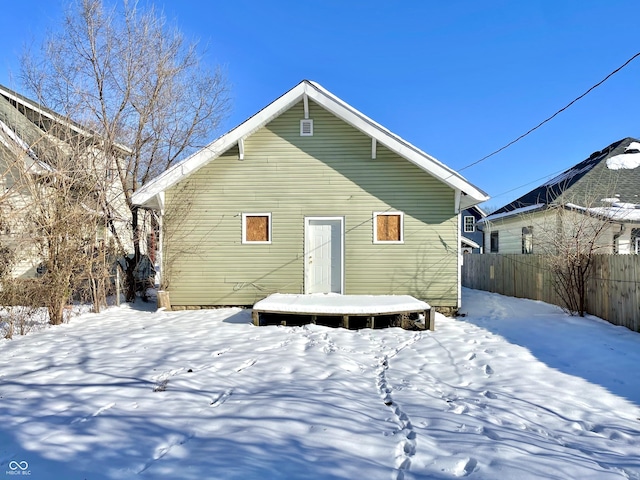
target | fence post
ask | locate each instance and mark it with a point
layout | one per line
(118, 286)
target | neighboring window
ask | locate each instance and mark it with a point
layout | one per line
(256, 228)
(635, 240)
(388, 227)
(527, 239)
(469, 224)
(494, 242)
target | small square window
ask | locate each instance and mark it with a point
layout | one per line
(256, 228)
(388, 227)
(469, 224)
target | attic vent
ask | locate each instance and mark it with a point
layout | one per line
(306, 128)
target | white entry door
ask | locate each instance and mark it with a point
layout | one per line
(324, 255)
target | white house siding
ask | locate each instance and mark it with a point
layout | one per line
(545, 225)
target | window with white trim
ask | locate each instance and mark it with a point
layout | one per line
(256, 228)
(388, 227)
(469, 224)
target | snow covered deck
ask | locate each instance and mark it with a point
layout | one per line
(348, 311)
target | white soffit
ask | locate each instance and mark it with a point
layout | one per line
(334, 105)
(469, 242)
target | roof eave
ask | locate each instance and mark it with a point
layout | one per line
(51, 115)
(469, 242)
(514, 213)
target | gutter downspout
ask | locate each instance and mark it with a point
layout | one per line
(616, 248)
(159, 266)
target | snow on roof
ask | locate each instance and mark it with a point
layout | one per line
(568, 175)
(622, 212)
(150, 195)
(516, 211)
(336, 304)
(628, 160)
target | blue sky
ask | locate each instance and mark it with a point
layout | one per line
(458, 79)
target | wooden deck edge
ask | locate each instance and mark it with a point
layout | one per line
(429, 317)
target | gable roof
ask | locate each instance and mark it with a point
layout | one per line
(150, 195)
(608, 179)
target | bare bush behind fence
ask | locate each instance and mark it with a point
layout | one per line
(612, 288)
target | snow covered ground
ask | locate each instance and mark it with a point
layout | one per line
(516, 389)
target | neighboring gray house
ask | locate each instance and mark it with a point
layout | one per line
(309, 196)
(605, 187)
(32, 137)
(472, 236)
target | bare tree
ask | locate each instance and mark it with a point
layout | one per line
(573, 229)
(132, 77)
(569, 244)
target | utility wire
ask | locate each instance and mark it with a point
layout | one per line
(528, 183)
(554, 115)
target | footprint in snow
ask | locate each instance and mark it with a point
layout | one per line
(460, 409)
(94, 414)
(219, 352)
(490, 434)
(487, 370)
(102, 409)
(221, 398)
(165, 447)
(161, 386)
(246, 364)
(465, 467)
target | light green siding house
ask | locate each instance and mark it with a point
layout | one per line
(309, 196)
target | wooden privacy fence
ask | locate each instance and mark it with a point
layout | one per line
(613, 293)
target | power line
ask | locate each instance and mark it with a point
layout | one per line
(528, 183)
(554, 115)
